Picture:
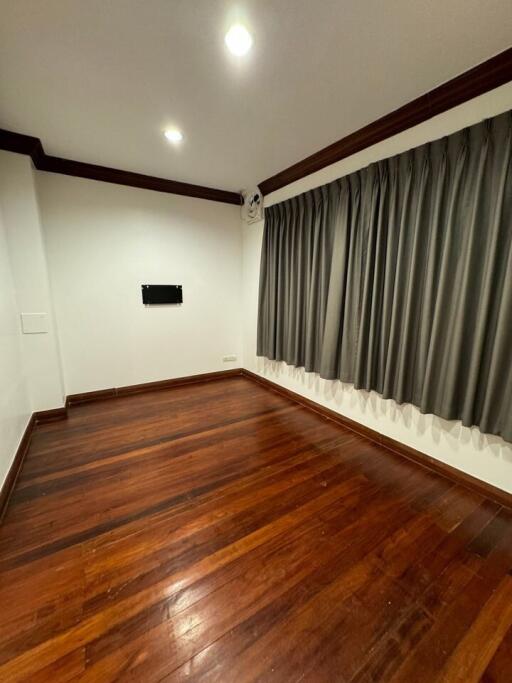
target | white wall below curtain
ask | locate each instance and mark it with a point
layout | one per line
(104, 241)
(486, 457)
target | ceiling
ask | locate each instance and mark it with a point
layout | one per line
(99, 80)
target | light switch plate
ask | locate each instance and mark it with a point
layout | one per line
(34, 323)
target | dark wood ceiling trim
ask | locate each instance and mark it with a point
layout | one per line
(26, 144)
(482, 78)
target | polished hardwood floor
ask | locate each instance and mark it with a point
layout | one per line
(220, 532)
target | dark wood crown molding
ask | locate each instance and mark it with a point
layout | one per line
(26, 144)
(478, 80)
(482, 78)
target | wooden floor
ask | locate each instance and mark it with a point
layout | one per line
(219, 532)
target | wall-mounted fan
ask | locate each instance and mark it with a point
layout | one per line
(252, 209)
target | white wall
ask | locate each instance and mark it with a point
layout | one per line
(15, 407)
(487, 457)
(27, 259)
(103, 242)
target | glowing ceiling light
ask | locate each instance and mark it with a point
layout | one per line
(238, 40)
(173, 135)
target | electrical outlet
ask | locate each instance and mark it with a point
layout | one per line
(227, 359)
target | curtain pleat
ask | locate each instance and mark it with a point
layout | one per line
(398, 278)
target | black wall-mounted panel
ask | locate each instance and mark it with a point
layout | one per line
(162, 294)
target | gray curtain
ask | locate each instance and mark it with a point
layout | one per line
(398, 278)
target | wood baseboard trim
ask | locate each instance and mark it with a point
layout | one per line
(52, 415)
(421, 459)
(16, 466)
(146, 387)
(457, 476)
(89, 396)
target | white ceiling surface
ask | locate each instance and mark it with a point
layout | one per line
(99, 80)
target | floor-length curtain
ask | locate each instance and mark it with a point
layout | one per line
(398, 278)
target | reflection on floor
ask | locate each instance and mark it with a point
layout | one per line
(219, 532)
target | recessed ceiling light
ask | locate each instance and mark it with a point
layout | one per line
(238, 39)
(173, 135)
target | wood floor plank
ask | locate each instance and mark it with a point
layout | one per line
(220, 532)
(477, 647)
(500, 666)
